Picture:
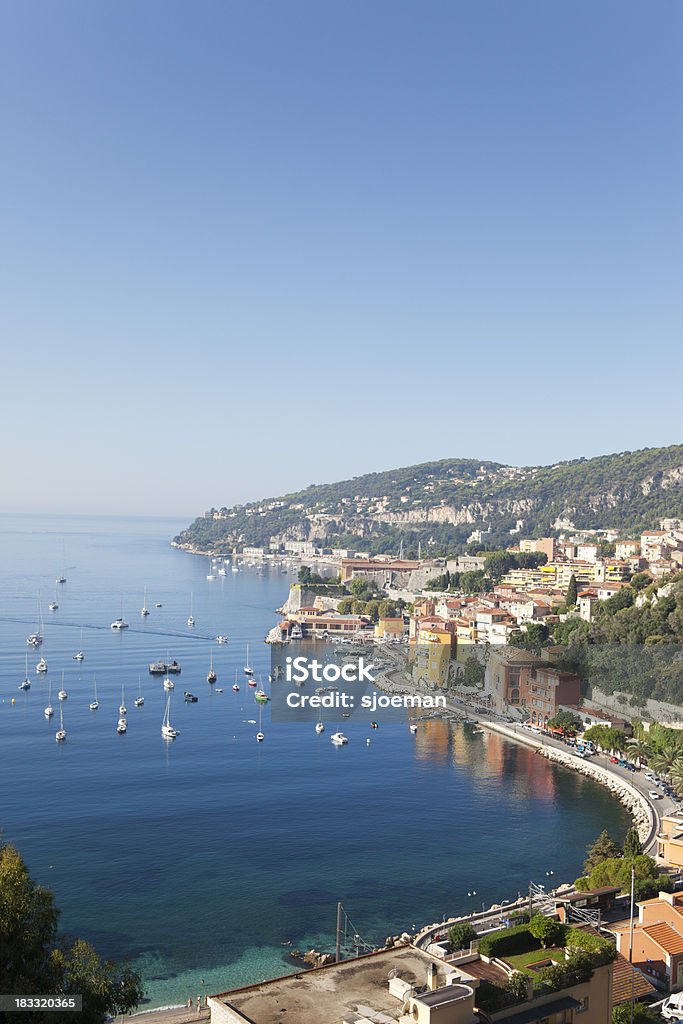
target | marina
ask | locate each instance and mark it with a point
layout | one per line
(200, 807)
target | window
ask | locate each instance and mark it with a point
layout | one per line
(584, 1005)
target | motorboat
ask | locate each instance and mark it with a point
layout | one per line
(190, 698)
(78, 656)
(122, 726)
(221, 638)
(339, 739)
(169, 684)
(173, 668)
(261, 696)
(25, 685)
(63, 695)
(34, 639)
(119, 624)
(413, 729)
(53, 606)
(320, 727)
(139, 701)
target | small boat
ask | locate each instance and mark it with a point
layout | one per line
(190, 698)
(144, 611)
(53, 606)
(158, 605)
(339, 739)
(211, 676)
(191, 621)
(61, 579)
(222, 572)
(63, 695)
(49, 710)
(95, 703)
(26, 684)
(248, 670)
(221, 638)
(295, 632)
(123, 710)
(41, 666)
(139, 700)
(122, 726)
(219, 689)
(413, 729)
(259, 735)
(167, 730)
(173, 667)
(34, 639)
(261, 696)
(79, 655)
(169, 684)
(60, 735)
(320, 727)
(119, 624)
(252, 682)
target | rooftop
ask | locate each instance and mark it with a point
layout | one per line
(325, 995)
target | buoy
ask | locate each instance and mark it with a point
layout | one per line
(13, 700)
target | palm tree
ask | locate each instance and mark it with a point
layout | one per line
(640, 750)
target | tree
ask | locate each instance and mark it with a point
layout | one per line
(640, 581)
(565, 721)
(345, 605)
(460, 935)
(632, 844)
(497, 564)
(304, 574)
(641, 1014)
(516, 986)
(546, 930)
(572, 592)
(473, 672)
(602, 849)
(33, 960)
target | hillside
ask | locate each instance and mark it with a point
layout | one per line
(440, 503)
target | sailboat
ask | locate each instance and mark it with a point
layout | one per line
(35, 639)
(211, 676)
(53, 606)
(49, 710)
(248, 670)
(168, 682)
(62, 693)
(41, 666)
(95, 703)
(260, 695)
(123, 709)
(259, 735)
(139, 700)
(144, 610)
(62, 577)
(235, 685)
(167, 730)
(60, 735)
(26, 684)
(191, 618)
(122, 726)
(79, 655)
(210, 574)
(320, 725)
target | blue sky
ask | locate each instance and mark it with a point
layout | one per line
(247, 246)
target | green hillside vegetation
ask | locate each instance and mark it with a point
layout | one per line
(630, 491)
(630, 649)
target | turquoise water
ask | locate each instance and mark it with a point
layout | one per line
(199, 858)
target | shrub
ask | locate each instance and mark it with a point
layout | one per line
(602, 950)
(508, 942)
(547, 930)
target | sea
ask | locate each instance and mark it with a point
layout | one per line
(206, 860)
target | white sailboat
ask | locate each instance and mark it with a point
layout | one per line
(123, 710)
(144, 610)
(62, 576)
(26, 684)
(35, 639)
(248, 670)
(320, 725)
(122, 726)
(211, 676)
(60, 735)
(169, 684)
(94, 703)
(259, 735)
(167, 730)
(53, 606)
(62, 693)
(139, 700)
(235, 685)
(49, 710)
(191, 618)
(79, 655)
(41, 666)
(210, 574)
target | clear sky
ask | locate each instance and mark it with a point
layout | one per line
(247, 246)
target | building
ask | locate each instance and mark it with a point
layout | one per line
(670, 840)
(408, 985)
(627, 548)
(378, 570)
(657, 940)
(544, 545)
(520, 679)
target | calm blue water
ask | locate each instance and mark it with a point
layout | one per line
(199, 858)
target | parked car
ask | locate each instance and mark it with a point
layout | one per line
(672, 1007)
(654, 795)
(614, 760)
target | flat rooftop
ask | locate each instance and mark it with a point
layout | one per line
(327, 995)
